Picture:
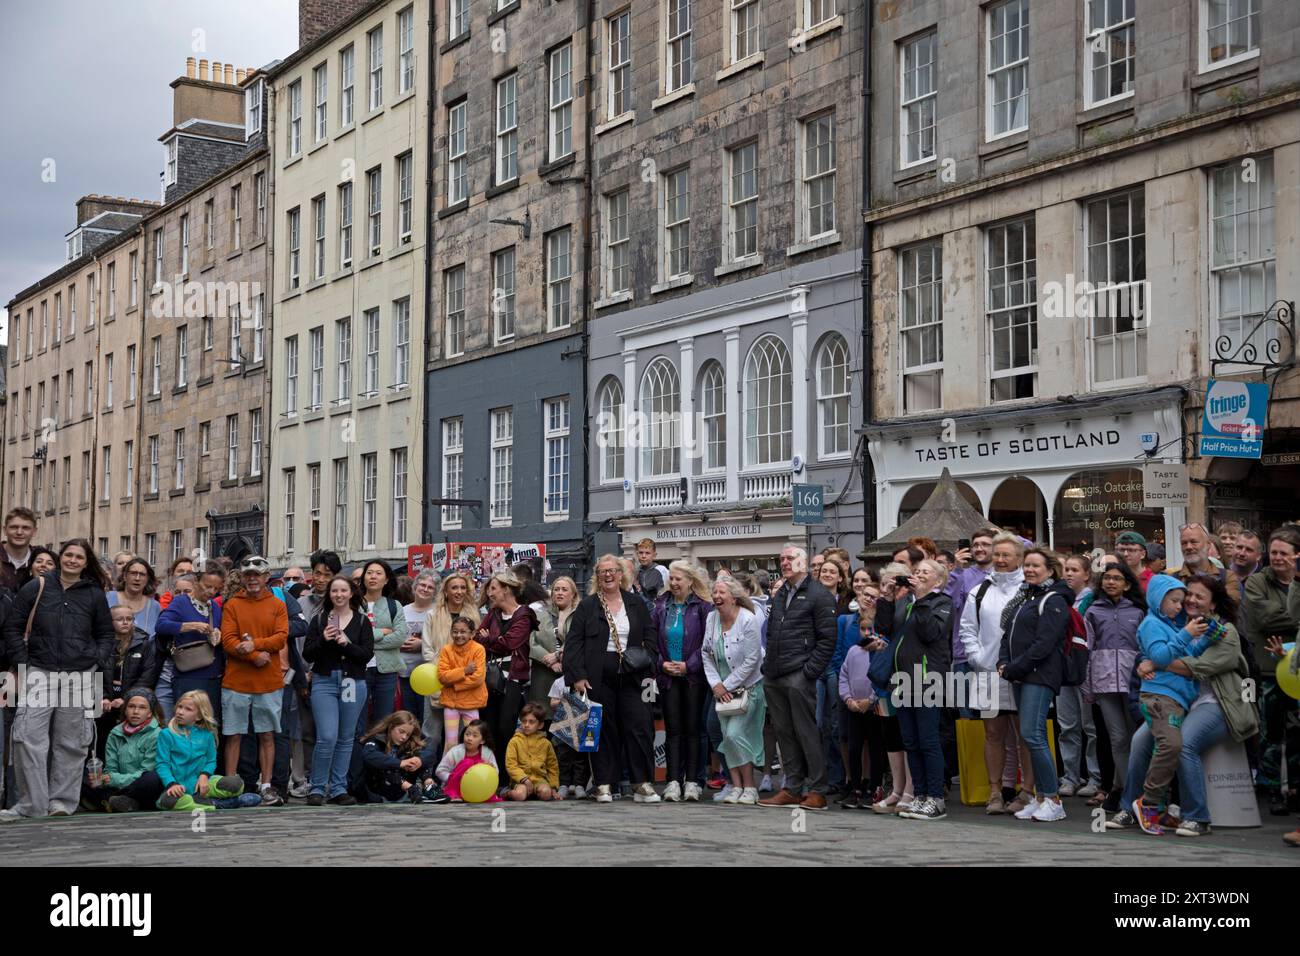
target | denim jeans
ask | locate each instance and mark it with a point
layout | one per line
(1033, 702)
(828, 700)
(1203, 727)
(381, 692)
(336, 723)
(920, 731)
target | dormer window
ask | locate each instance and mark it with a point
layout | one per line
(253, 110)
(171, 161)
(74, 246)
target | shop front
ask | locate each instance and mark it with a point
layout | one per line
(1068, 473)
(739, 541)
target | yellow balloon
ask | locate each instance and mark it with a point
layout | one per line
(479, 783)
(1288, 682)
(424, 679)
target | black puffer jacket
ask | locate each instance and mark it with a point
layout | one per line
(919, 640)
(802, 636)
(139, 666)
(72, 629)
(1032, 644)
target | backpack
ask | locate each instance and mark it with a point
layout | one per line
(1074, 647)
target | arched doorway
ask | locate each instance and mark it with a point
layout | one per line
(1018, 506)
(917, 495)
(1094, 507)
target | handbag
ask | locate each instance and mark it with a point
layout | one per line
(633, 661)
(496, 676)
(739, 704)
(195, 656)
(576, 722)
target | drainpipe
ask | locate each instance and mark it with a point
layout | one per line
(868, 358)
(585, 354)
(425, 537)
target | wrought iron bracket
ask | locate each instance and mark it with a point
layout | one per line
(1269, 345)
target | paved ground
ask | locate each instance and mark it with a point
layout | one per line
(584, 832)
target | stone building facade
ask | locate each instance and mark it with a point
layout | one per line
(725, 349)
(204, 386)
(1072, 231)
(348, 137)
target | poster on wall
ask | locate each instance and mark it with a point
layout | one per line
(1233, 423)
(481, 559)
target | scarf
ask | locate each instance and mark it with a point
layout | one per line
(1027, 592)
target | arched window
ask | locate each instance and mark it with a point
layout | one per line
(769, 410)
(661, 447)
(609, 430)
(713, 405)
(833, 399)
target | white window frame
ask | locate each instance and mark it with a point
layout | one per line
(169, 156)
(290, 476)
(609, 425)
(813, 179)
(371, 368)
(661, 415)
(618, 243)
(340, 502)
(1026, 303)
(343, 361)
(1108, 293)
(994, 69)
(402, 342)
(375, 61)
(318, 238)
(453, 284)
(205, 439)
(618, 66)
(457, 159)
(1256, 271)
(502, 304)
(155, 380)
(347, 85)
(501, 473)
(128, 452)
(817, 12)
(316, 346)
(232, 447)
(920, 288)
(236, 217)
(259, 187)
(369, 499)
(457, 18)
(766, 365)
(507, 129)
(560, 116)
(556, 458)
(345, 225)
(739, 204)
(294, 227)
(399, 461)
(1251, 19)
(157, 263)
(405, 50)
(453, 470)
(259, 326)
(131, 370)
(108, 387)
(291, 376)
(834, 399)
(154, 451)
(209, 225)
(675, 219)
(320, 96)
(405, 175)
(236, 341)
(918, 94)
(254, 442)
(295, 118)
(559, 279)
(252, 110)
(182, 356)
(185, 260)
(713, 416)
(1098, 48)
(374, 211)
(744, 20)
(178, 463)
(678, 60)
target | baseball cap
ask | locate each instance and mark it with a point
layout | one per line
(255, 564)
(1131, 537)
(1155, 552)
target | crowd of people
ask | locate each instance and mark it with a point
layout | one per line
(1105, 678)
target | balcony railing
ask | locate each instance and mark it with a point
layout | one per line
(765, 486)
(659, 494)
(711, 491)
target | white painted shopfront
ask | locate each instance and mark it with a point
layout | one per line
(1068, 473)
(740, 540)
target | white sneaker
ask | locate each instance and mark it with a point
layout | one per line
(721, 795)
(1049, 811)
(693, 793)
(748, 797)
(603, 794)
(578, 793)
(673, 793)
(765, 785)
(645, 794)
(1068, 788)
(1030, 809)
(563, 793)
(1088, 790)
(733, 795)
(300, 789)
(8, 815)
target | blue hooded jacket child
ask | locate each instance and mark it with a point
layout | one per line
(1163, 640)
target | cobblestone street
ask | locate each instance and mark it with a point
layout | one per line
(577, 834)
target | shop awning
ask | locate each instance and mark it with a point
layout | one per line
(946, 516)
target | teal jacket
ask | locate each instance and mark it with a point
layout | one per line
(388, 654)
(1162, 640)
(183, 757)
(127, 758)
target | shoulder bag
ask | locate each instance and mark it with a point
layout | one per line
(739, 703)
(193, 657)
(633, 661)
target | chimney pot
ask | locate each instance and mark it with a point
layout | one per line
(240, 75)
(216, 71)
(189, 67)
(203, 69)
(230, 74)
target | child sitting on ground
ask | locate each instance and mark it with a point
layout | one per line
(1164, 635)
(530, 759)
(187, 759)
(575, 766)
(398, 764)
(472, 749)
(130, 780)
(462, 669)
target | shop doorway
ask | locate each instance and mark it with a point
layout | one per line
(1018, 507)
(917, 495)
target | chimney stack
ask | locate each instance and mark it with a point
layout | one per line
(318, 17)
(189, 67)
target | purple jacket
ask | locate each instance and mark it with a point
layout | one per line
(697, 612)
(854, 680)
(1113, 642)
(960, 585)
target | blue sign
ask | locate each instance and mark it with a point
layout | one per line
(1233, 424)
(808, 504)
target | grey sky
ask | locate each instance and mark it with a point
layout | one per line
(86, 84)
